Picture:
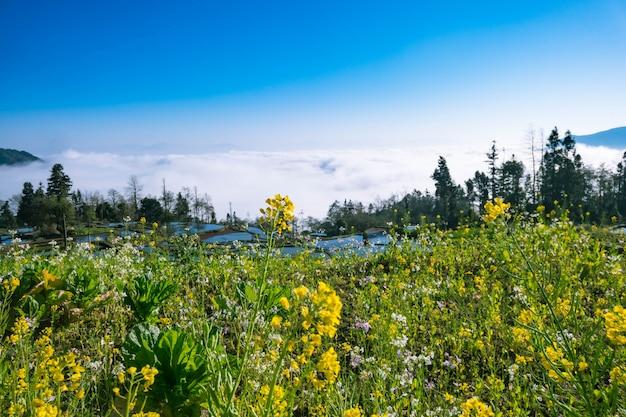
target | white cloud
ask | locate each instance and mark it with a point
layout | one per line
(312, 178)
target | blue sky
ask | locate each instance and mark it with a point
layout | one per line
(203, 75)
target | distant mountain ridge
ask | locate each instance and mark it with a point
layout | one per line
(15, 157)
(612, 138)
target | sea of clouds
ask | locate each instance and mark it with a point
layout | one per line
(245, 178)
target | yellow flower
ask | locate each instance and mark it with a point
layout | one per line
(14, 283)
(16, 410)
(476, 408)
(521, 335)
(306, 315)
(20, 329)
(563, 307)
(494, 209)
(50, 280)
(618, 375)
(276, 322)
(278, 404)
(557, 365)
(329, 309)
(278, 214)
(43, 409)
(329, 365)
(301, 292)
(465, 332)
(615, 322)
(353, 412)
(148, 373)
(525, 316)
(284, 302)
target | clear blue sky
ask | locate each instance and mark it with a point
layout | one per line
(267, 74)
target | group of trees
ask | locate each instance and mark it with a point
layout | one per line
(49, 208)
(38, 207)
(558, 177)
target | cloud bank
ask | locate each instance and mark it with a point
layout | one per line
(312, 178)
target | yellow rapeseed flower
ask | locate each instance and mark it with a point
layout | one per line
(276, 322)
(12, 284)
(279, 213)
(329, 365)
(278, 404)
(328, 309)
(284, 302)
(301, 292)
(43, 409)
(20, 329)
(49, 279)
(149, 373)
(476, 408)
(618, 375)
(495, 209)
(615, 322)
(353, 412)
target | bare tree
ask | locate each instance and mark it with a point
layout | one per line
(167, 199)
(134, 189)
(114, 197)
(196, 204)
(532, 138)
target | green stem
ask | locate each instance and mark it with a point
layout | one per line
(252, 324)
(277, 368)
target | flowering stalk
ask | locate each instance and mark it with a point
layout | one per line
(278, 216)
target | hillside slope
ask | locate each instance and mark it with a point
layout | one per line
(15, 157)
(612, 138)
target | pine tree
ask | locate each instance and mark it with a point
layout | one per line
(7, 219)
(449, 195)
(41, 208)
(550, 192)
(562, 174)
(492, 160)
(181, 209)
(151, 209)
(510, 182)
(59, 183)
(26, 207)
(58, 208)
(481, 183)
(620, 180)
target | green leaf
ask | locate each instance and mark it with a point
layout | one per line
(138, 348)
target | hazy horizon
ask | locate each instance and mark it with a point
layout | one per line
(245, 178)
